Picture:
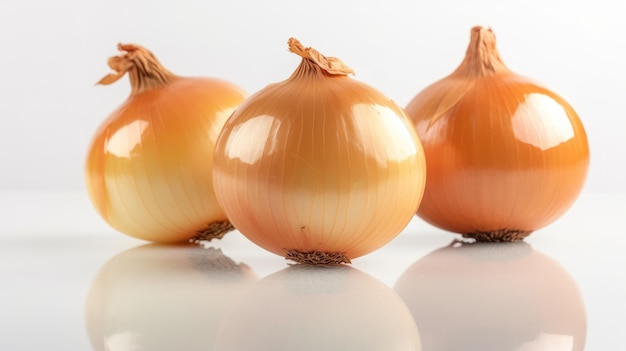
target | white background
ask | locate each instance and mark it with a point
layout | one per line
(52, 53)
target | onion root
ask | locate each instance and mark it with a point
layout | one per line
(316, 257)
(215, 230)
(501, 235)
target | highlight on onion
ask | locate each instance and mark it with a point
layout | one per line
(505, 155)
(493, 296)
(319, 168)
(149, 166)
(306, 307)
(162, 298)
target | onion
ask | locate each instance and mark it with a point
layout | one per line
(319, 168)
(493, 296)
(305, 307)
(505, 155)
(163, 298)
(148, 169)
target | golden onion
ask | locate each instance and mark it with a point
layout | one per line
(505, 155)
(148, 169)
(319, 168)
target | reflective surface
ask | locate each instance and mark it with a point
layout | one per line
(71, 283)
(319, 308)
(504, 296)
(157, 297)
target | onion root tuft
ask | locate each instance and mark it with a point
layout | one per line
(215, 230)
(501, 235)
(317, 257)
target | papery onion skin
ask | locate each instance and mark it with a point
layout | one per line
(319, 164)
(505, 155)
(149, 166)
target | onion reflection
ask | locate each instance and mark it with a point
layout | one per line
(162, 297)
(503, 296)
(319, 308)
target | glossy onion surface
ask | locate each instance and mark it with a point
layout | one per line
(311, 308)
(163, 298)
(149, 166)
(505, 156)
(494, 296)
(319, 163)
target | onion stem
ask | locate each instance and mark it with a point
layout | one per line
(143, 68)
(314, 61)
(482, 57)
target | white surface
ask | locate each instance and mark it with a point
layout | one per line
(54, 52)
(53, 244)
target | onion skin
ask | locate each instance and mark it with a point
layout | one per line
(494, 296)
(505, 155)
(149, 166)
(319, 165)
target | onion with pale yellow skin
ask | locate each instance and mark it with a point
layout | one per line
(319, 168)
(148, 169)
(505, 155)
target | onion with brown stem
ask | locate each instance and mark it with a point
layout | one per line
(319, 168)
(148, 169)
(505, 156)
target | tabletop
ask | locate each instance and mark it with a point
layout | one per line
(69, 282)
